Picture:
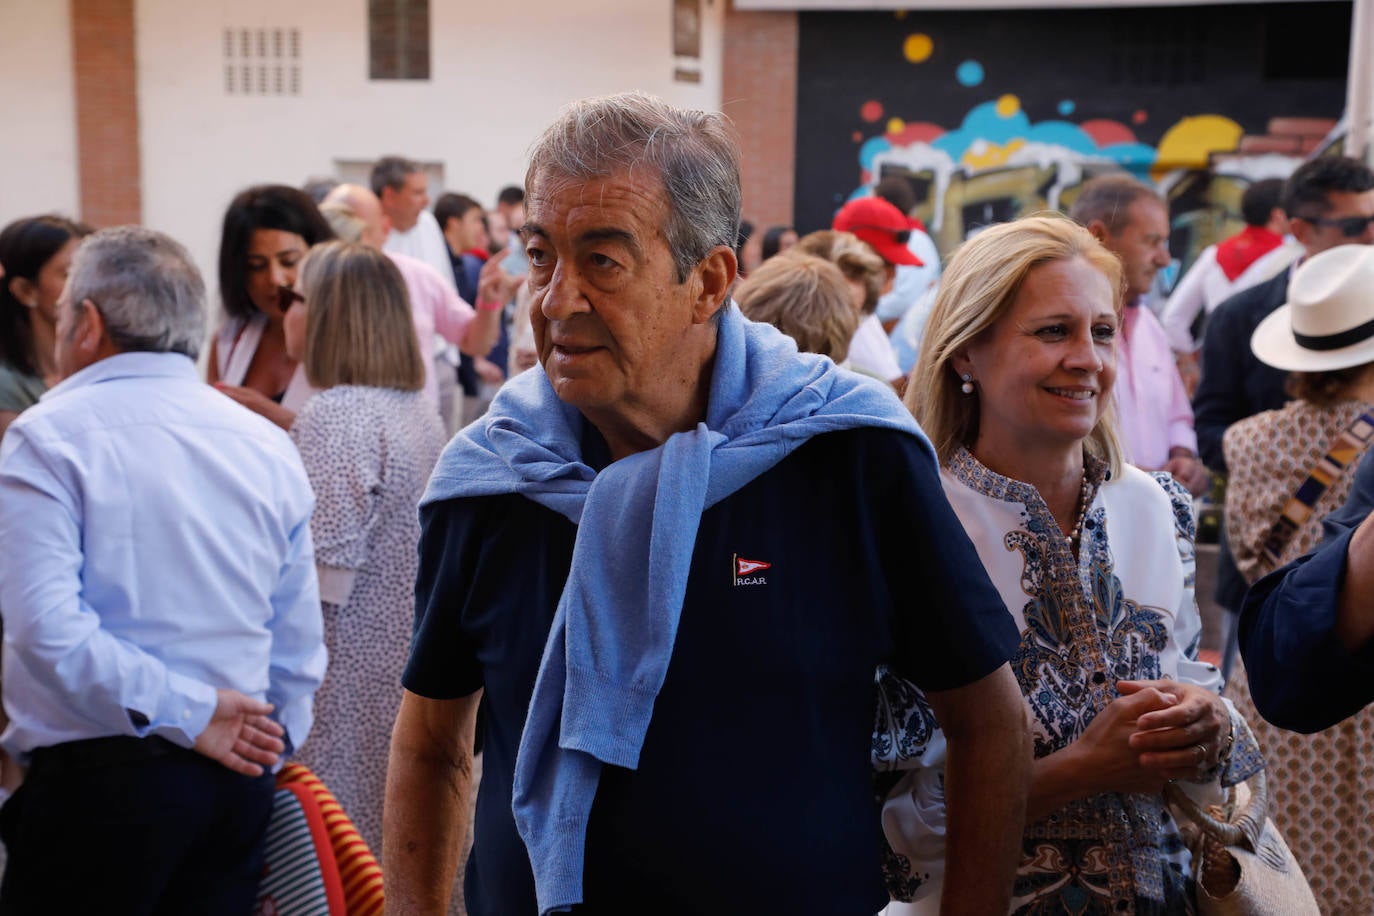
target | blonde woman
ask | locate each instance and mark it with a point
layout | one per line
(369, 440)
(1094, 560)
(863, 270)
(805, 297)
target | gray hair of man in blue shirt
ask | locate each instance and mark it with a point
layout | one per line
(146, 288)
(693, 152)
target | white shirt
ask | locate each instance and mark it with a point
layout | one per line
(424, 241)
(911, 283)
(1206, 286)
(870, 351)
(157, 547)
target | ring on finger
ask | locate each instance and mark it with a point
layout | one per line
(1201, 754)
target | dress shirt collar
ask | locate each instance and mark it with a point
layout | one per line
(127, 365)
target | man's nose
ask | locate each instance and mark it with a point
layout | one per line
(562, 295)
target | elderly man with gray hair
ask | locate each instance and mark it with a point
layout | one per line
(670, 560)
(163, 638)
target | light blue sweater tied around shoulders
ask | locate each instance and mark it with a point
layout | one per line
(613, 631)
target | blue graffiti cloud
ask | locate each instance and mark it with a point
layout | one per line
(1136, 158)
(870, 150)
(1062, 133)
(982, 123)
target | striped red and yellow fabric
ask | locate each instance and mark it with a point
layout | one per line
(358, 869)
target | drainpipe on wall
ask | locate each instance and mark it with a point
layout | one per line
(1359, 96)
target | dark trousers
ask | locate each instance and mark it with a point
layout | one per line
(133, 826)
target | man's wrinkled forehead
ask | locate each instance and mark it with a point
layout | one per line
(549, 192)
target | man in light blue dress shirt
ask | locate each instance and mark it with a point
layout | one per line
(162, 630)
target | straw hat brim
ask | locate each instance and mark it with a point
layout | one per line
(1273, 344)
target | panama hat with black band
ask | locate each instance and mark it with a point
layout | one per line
(1328, 321)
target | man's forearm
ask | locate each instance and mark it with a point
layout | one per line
(428, 795)
(987, 773)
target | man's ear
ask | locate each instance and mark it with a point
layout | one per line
(24, 289)
(1099, 230)
(716, 274)
(89, 330)
(1301, 230)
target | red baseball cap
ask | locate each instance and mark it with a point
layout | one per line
(882, 226)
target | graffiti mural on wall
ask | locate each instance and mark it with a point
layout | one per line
(997, 165)
(993, 159)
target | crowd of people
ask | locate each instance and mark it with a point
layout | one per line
(468, 481)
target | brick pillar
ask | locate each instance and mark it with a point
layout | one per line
(105, 69)
(759, 93)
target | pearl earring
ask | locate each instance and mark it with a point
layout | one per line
(967, 387)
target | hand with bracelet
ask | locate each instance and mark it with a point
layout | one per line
(1187, 739)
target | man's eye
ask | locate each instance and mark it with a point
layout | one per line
(601, 260)
(535, 256)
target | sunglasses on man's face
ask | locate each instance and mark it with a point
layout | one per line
(901, 235)
(287, 297)
(1350, 226)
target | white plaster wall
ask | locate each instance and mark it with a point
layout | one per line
(500, 72)
(38, 163)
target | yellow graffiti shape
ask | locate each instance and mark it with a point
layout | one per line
(1007, 106)
(984, 155)
(895, 125)
(1189, 143)
(918, 48)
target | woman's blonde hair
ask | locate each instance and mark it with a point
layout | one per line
(806, 298)
(853, 257)
(359, 329)
(977, 288)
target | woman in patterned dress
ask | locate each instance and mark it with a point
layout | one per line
(369, 440)
(1321, 786)
(1094, 559)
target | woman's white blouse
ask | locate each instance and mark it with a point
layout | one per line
(1123, 609)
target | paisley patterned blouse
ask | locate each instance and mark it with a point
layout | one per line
(1123, 609)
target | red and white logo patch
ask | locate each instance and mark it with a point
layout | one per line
(744, 567)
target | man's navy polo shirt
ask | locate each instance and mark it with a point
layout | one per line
(754, 789)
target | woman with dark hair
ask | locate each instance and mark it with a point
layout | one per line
(777, 240)
(35, 254)
(267, 231)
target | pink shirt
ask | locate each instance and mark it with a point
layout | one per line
(436, 308)
(1151, 404)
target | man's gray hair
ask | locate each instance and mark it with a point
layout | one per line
(146, 288)
(1108, 198)
(693, 152)
(391, 172)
